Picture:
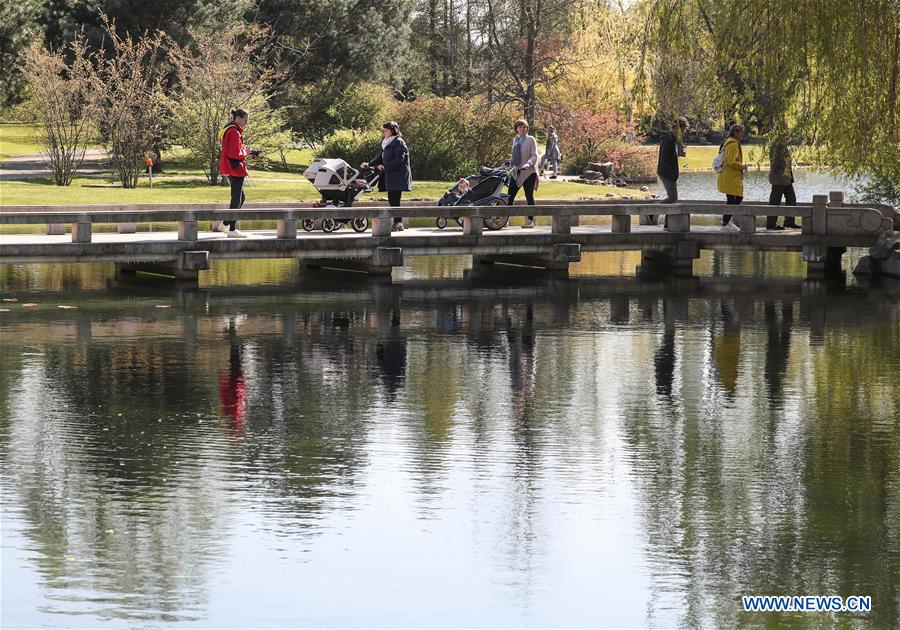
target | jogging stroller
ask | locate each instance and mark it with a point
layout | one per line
(339, 184)
(484, 189)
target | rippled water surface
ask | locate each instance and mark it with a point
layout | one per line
(455, 449)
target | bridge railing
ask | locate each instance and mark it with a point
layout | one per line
(826, 215)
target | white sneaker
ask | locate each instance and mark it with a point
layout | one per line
(235, 234)
(221, 227)
(730, 227)
(528, 225)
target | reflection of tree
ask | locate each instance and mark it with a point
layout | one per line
(764, 502)
(778, 345)
(727, 349)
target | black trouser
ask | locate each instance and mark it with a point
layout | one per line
(671, 187)
(790, 199)
(394, 202)
(733, 200)
(528, 187)
(237, 198)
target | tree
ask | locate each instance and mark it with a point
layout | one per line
(130, 100)
(17, 28)
(526, 38)
(833, 82)
(62, 104)
(216, 73)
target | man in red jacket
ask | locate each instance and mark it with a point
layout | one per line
(233, 164)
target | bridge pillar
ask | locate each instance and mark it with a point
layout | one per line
(185, 270)
(381, 262)
(558, 259)
(822, 261)
(677, 260)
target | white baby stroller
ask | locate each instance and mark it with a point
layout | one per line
(339, 184)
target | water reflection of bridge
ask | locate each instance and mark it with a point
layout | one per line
(457, 305)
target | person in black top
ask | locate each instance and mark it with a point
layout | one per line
(670, 148)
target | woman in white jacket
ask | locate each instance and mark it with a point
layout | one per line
(524, 175)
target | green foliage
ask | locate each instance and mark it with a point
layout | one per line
(217, 74)
(451, 137)
(18, 27)
(828, 71)
(345, 39)
(318, 109)
(352, 146)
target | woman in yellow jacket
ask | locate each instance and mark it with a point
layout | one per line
(731, 177)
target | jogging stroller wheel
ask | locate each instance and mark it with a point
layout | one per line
(309, 224)
(329, 225)
(360, 224)
(441, 222)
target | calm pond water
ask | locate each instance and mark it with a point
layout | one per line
(456, 449)
(807, 182)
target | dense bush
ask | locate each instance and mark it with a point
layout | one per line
(328, 105)
(633, 162)
(352, 146)
(587, 136)
(452, 137)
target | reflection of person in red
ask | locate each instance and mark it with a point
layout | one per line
(233, 390)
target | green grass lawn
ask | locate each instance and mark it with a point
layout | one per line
(186, 189)
(18, 139)
(182, 182)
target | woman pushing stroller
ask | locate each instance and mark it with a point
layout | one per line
(524, 157)
(393, 162)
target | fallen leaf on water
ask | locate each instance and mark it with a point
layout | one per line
(29, 304)
(10, 299)
(110, 531)
(66, 306)
(70, 558)
(4, 310)
(163, 306)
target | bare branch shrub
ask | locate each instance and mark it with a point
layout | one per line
(131, 101)
(219, 71)
(61, 104)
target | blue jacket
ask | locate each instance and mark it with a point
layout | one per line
(397, 174)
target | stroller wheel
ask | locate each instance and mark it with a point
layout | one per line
(441, 222)
(360, 224)
(459, 221)
(329, 225)
(309, 224)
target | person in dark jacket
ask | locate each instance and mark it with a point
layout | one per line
(393, 162)
(781, 176)
(671, 146)
(233, 163)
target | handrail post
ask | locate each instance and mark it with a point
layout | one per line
(473, 225)
(621, 223)
(818, 215)
(680, 222)
(382, 223)
(561, 224)
(187, 227)
(286, 228)
(81, 229)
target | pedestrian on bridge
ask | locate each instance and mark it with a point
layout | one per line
(731, 170)
(781, 176)
(394, 164)
(233, 163)
(523, 160)
(671, 146)
(552, 153)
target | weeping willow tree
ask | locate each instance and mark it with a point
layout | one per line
(825, 70)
